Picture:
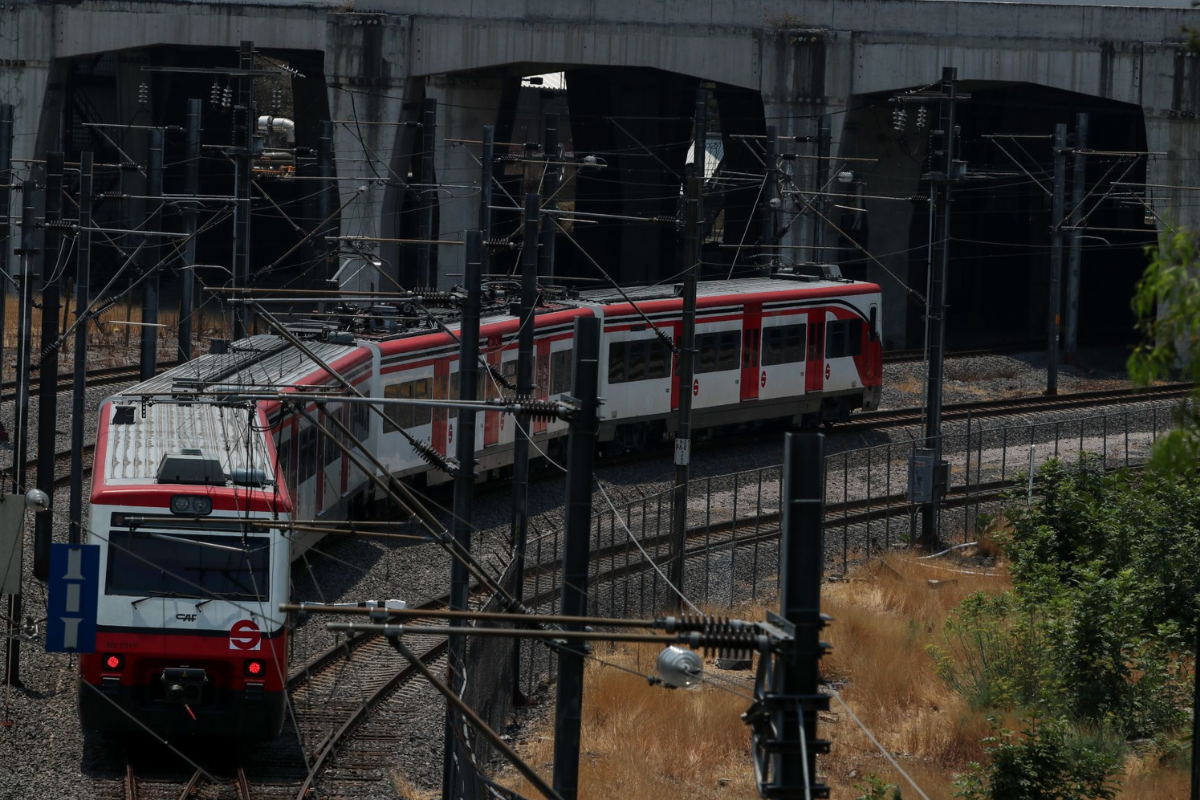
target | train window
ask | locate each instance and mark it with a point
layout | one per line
(408, 416)
(616, 362)
(509, 370)
(750, 350)
(360, 421)
(843, 338)
(307, 455)
(783, 344)
(283, 465)
(541, 378)
(718, 352)
(659, 364)
(560, 371)
(332, 451)
(185, 564)
(639, 360)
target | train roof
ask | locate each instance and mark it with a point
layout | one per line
(133, 450)
(769, 284)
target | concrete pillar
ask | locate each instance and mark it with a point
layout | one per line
(366, 68)
(464, 106)
(1180, 140)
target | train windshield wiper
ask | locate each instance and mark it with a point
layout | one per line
(156, 594)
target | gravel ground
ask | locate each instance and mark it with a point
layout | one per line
(44, 754)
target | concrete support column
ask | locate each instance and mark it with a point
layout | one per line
(1180, 140)
(366, 67)
(23, 82)
(464, 106)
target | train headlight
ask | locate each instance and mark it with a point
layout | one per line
(114, 662)
(191, 505)
(255, 668)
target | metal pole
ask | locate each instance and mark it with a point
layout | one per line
(769, 193)
(549, 187)
(428, 194)
(47, 419)
(820, 171)
(154, 189)
(685, 345)
(6, 146)
(1078, 178)
(325, 197)
(243, 136)
(464, 490)
(1195, 788)
(1053, 322)
(83, 260)
(937, 308)
(520, 515)
(581, 448)
(187, 289)
(24, 339)
(801, 562)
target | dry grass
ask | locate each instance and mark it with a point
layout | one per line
(647, 742)
(642, 741)
(909, 384)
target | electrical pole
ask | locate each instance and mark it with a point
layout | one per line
(801, 562)
(154, 188)
(425, 277)
(1053, 323)
(464, 493)
(187, 290)
(83, 271)
(820, 175)
(47, 420)
(24, 342)
(520, 513)
(243, 137)
(581, 448)
(6, 187)
(937, 305)
(685, 348)
(549, 188)
(1079, 167)
(770, 186)
(325, 194)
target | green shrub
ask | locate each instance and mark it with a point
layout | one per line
(1049, 760)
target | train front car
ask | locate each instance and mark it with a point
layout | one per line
(190, 640)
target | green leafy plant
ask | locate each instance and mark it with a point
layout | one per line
(1047, 760)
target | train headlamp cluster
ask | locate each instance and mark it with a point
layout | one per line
(191, 505)
(254, 668)
(114, 662)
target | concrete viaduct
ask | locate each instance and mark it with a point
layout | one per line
(803, 59)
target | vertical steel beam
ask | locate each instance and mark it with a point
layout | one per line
(425, 276)
(937, 306)
(6, 187)
(581, 448)
(52, 271)
(25, 278)
(464, 495)
(1078, 179)
(685, 348)
(151, 254)
(83, 271)
(549, 188)
(243, 138)
(769, 193)
(187, 288)
(820, 175)
(801, 563)
(525, 387)
(1053, 323)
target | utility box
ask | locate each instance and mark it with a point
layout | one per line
(927, 478)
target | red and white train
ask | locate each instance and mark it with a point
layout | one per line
(194, 499)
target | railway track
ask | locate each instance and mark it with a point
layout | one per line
(104, 376)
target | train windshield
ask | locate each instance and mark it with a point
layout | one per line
(148, 563)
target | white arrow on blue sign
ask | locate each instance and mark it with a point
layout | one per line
(73, 597)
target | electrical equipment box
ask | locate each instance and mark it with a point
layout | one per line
(927, 478)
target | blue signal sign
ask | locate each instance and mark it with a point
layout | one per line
(73, 597)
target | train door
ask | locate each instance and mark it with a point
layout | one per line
(815, 366)
(441, 416)
(491, 419)
(751, 333)
(541, 380)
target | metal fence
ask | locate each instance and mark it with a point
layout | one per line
(733, 520)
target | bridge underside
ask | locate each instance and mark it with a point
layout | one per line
(626, 101)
